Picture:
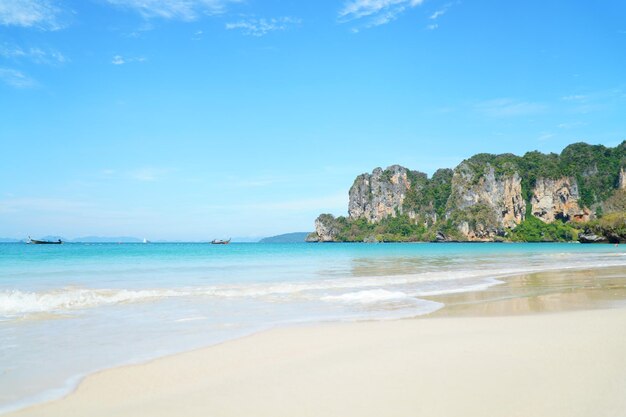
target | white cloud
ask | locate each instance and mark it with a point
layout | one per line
(545, 136)
(148, 174)
(141, 174)
(261, 27)
(574, 97)
(438, 14)
(40, 14)
(35, 55)
(375, 12)
(16, 78)
(120, 60)
(505, 107)
(174, 9)
(335, 202)
(12, 205)
(571, 125)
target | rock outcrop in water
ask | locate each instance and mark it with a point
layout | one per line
(485, 198)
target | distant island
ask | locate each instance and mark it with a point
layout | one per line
(579, 194)
(84, 239)
(9, 240)
(104, 239)
(296, 237)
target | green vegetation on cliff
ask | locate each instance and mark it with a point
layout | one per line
(391, 229)
(429, 196)
(611, 225)
(432, 205)
(534, 230)
(595, 168)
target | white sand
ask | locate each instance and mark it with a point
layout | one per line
(565, 364)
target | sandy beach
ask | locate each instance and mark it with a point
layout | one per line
(568, 363)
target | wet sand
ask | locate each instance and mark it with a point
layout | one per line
(542, 292)
(549, 344)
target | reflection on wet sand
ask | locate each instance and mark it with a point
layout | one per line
(541, 292)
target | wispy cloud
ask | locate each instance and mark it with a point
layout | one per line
(148, 174)
(505, 107)
(571, 125)
(333, 202)
(594, 101)
(35, 55)
(12, 205)
(174, 9)
(16, 78)
(41, 14)
(574, 97)
(436, 15)
(143, 174)
(544, 136)
(375, 12)
(120, 60)
(254, 182)
(261, 27)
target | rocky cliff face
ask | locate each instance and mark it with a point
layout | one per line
(557, 200)
(485, 198)
(622, 179)
(483, 204)
(325, 228)
(379, 194)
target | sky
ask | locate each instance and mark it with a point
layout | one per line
(201, 119)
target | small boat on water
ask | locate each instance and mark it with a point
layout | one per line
(220, 242)
(43, 242)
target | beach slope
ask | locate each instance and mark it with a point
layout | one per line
(563, 364)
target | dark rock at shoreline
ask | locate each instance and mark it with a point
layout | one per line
(591, 238)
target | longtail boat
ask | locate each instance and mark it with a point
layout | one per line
(44, 242)
(220, 242)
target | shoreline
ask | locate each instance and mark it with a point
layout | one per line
(490, 366)
(458, 307)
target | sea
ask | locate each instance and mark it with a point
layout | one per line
(70, 310)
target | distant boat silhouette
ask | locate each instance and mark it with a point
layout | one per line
(43, 242)
(220, 242)
(146, 240)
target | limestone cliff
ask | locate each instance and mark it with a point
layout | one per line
(483, 204)
(536, 197)
(379, 194)
(622, 179)
(326, 229)
(557, 199)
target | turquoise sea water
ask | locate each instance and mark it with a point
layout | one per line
(70, 310)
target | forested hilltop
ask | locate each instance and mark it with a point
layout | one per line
(579, 194)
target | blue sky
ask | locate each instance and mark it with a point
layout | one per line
(195, 119)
